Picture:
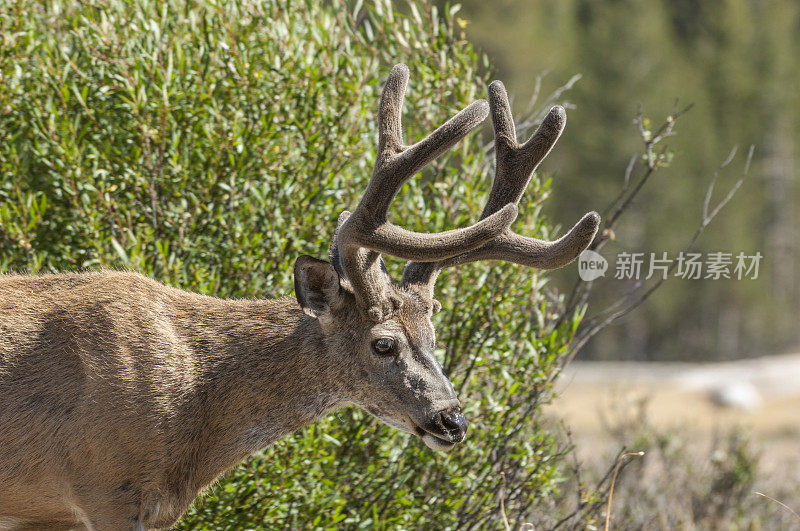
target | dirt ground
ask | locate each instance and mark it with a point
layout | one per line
(698, 401)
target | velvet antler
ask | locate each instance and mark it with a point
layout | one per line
(365, 233)
(515, 166)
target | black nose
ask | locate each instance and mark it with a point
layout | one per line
(455, 423)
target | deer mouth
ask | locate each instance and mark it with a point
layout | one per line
(433, 441)
(436, 442)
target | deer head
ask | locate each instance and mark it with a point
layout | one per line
(384, 329)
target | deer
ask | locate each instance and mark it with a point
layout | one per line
(123, 399)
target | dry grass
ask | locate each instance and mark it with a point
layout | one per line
(706, 466)
(779, 503)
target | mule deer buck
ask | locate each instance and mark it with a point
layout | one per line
(121, 399)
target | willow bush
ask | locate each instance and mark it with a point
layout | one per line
(208, 144)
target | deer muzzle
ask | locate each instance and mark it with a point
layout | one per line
(444, 430)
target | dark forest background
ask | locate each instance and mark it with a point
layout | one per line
(735, 62)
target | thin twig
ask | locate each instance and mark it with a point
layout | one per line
(614, 481)
(707, 218)
(628, 171)
(589, 507)
(651, 141)
(779, 503)
(502, 502)
(714, 180)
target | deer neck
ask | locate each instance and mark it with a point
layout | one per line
(263, 373)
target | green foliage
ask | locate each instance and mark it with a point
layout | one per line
(207, 144)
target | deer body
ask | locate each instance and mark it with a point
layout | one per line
(142, 394)
(121, 399)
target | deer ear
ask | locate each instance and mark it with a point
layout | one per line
(316, 285)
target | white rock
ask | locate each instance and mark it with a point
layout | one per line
(737, 395)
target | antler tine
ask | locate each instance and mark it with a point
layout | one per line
(515, 166)
(533, 252)
(516, 163)
(366, 232)
(396, 163)
(390, 136)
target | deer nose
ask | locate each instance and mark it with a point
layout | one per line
(454, 423)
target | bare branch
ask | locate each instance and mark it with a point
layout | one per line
(609, 315)
(580, 289)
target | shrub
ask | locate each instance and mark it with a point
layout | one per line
(207, 144)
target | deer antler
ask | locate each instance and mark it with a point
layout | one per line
(365, 233)
(515, 166)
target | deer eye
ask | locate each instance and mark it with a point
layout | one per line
(383, 346)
